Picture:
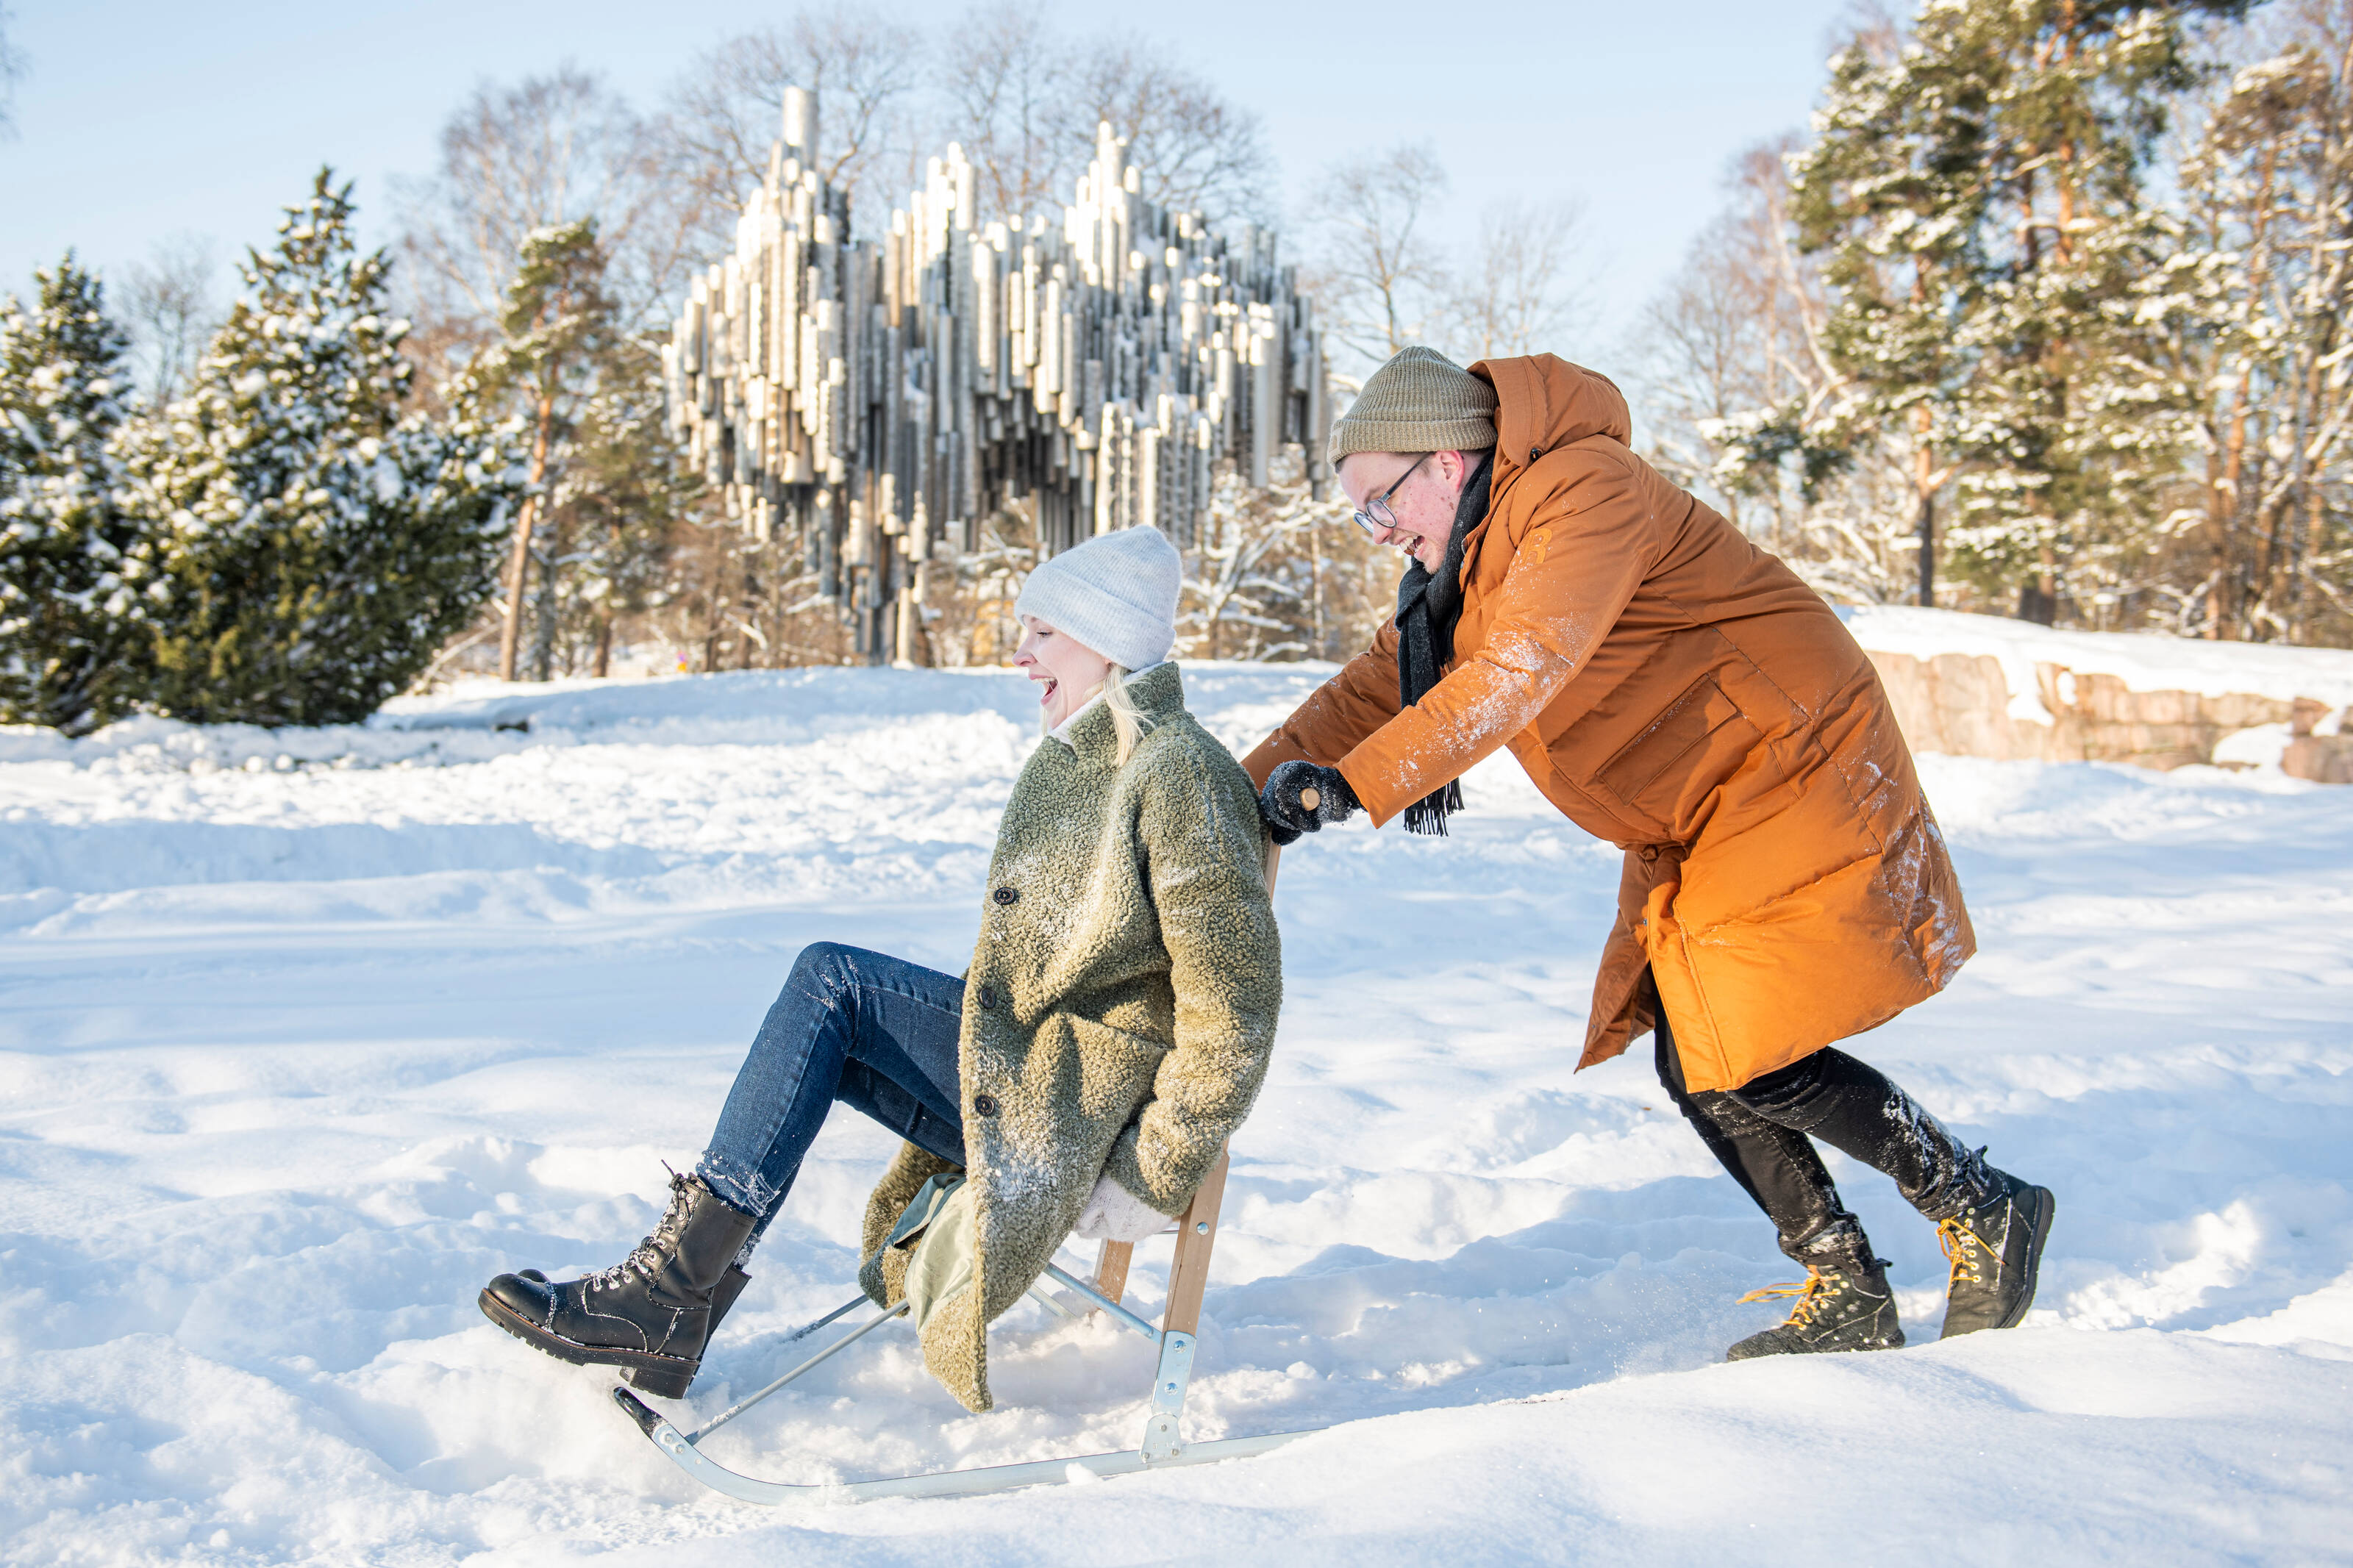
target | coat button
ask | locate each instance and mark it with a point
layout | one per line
(1534, 453)
(989, 997)
(1007, 895)
(984, 1105)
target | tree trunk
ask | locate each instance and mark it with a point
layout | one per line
(1927, 549)
(2222, 487)
(1924, 483)
(519, 565)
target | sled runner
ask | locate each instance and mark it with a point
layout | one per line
(1163, 1446)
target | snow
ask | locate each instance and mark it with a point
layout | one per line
(2142, 662)
(310, 1032)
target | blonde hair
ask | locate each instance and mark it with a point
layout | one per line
(1128, 721)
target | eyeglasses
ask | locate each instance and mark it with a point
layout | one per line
(1374, 516)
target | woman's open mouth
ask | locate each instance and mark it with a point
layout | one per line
(1048, 695)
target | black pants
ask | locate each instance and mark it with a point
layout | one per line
(1762, 1131)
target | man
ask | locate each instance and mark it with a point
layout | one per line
(1673, 689)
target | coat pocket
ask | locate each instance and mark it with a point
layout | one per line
(1116, 1069)
(1687, 751)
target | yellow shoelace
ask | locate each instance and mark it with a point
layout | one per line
(1810, 1293)
(1964, 1250)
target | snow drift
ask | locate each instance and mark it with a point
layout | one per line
(309, 1033)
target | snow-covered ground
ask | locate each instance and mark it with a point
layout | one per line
(306, 1034)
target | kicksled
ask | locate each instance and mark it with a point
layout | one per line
(1163, 1447)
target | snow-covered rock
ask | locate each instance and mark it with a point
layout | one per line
(1981, 686)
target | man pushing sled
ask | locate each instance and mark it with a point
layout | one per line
(1674, 689)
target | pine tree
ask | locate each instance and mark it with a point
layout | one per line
(65, 614)
(2257, 296)
(1983, 184)
(562, 341)
(612, 513)
(312, 545)
(2074, 396)
(1893, 189)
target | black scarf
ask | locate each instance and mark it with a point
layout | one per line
(1427, 607)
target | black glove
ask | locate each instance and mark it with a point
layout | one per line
(1287, 816)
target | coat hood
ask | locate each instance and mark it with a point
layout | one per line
(1544, 402)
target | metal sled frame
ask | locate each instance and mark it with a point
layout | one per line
(1163, 1447)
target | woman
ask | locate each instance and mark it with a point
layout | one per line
(1109, 1036)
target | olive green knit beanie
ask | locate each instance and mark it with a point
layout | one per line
(1419, 402)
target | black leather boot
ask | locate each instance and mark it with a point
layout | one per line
(1844, 1304)
(652, 1312)
(672, 1385)
(1997, 1250)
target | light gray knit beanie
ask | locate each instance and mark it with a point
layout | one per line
(1117, 592)
(1419, 402)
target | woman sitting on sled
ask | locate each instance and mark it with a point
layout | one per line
(1085, 1073)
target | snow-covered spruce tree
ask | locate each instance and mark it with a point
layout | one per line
(310, 545)
(65, 635)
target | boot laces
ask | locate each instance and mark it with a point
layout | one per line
(645, 1259)
(1964, 1250)
(1813, 1294)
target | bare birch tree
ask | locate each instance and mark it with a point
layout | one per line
(1383, 281)
(1527, 282)
(168, 303)
(867, 68)
(1000, 73)
(12, 70)
(1195, 150)
(1025, 102)
(543, 152)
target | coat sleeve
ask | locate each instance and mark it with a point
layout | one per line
(1576, 559)
(1207, 866)
(1337, 714)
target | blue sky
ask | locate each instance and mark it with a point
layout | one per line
(139, 119)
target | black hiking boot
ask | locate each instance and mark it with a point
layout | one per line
(1843, 1305)
(1997, 1250)
(671, 1384)
(652, 1312)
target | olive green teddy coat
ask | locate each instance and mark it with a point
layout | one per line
(1118, 1013)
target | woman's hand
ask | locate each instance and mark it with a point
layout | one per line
(1300, 796)
(1114, 1214)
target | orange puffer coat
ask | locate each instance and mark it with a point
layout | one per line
(1677, 691)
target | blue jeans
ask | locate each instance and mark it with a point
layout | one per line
(864, 1029)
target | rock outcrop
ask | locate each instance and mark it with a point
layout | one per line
(1962, 704)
